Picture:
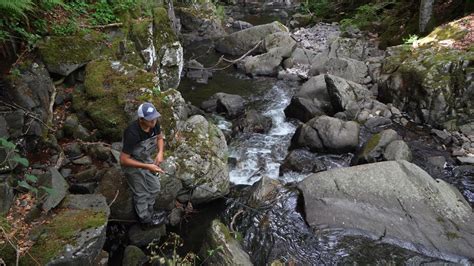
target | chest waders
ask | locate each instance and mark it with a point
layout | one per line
(144, 184)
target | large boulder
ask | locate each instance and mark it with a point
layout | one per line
(327, 134)
(200, 22)
(264, 64)
(199, 160)
(252, 121)
(74, 235)
(302, 161)
(278, 46)
(226, 249)
(240, 42)
(54, 180)
(374, 148)
(432, 80)
(311, 100)
(107, 84)
(113, 186)
(394, 202)
(170, 65)
(64, 54)
(301, 57)
(31, 91)
(111, 95)
(350, 69)
(343, 93)
(231, 105)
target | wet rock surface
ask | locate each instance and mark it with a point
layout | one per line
(436, 227)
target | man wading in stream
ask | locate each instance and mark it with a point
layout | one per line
(141, 140)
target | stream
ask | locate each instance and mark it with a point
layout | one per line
(278, 231)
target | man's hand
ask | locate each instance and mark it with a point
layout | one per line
(159, 158)
(155, 168)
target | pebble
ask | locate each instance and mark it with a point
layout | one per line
(466, 159)
(84, 160)
(458, 152)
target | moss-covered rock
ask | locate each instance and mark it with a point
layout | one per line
(64, 54)
(199, 160)
(73, 236)
(133, 256)
(110, 95)
(200, 21)
(431, 80)
(221, 248)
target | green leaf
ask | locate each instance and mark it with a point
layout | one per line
(7, 144)
(24, 184)
(31, 178)
(21, 160)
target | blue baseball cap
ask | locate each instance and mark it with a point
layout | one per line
(147, 111)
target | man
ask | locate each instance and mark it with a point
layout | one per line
(141, 139)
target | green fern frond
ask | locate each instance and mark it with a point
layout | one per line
(49, 4)
(17, 7)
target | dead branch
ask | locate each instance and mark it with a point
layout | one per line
(51, 105)
(231, 62)
(115, 198)
(28, 113)
(102, 26)
(94, 143)
(233, 219)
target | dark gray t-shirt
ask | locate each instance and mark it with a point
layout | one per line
(134, 134)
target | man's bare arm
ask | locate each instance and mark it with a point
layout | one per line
(127, 160)
(161, 147)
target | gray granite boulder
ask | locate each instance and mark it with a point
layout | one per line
(395, 202)
(327, 134)
(240, 42)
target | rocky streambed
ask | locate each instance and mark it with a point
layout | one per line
(316, 148)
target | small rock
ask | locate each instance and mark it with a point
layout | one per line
(73, 150)
(443, 135)
(397, 150)
(54, 180)
(459, 152)
(66, 172)
(175, 216)
(86, 175)
(142, 237)
(84, 160)
(437, 161)
(133, 256)
(466, 159)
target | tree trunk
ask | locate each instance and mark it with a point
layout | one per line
(426, 13)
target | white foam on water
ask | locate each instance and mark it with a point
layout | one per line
(260, 155)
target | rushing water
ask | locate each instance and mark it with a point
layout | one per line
(278, 231)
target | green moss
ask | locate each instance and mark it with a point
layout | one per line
(164, 105)
(371, 143)
(54, 236)
(163, 32)
(224, 230)
(75, 49)
(448, 31)
(97, 73)
(452, 235)
(107, 89)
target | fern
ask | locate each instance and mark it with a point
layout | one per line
(49, 4)
(17, 7)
